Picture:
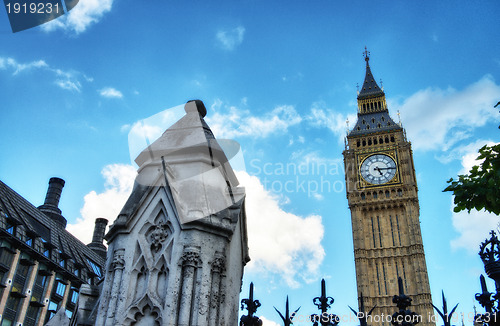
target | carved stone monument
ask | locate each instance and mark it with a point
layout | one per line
(176, 251)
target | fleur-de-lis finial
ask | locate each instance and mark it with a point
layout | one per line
(251, 307)
(324, 302)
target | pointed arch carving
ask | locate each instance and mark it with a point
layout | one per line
(149, 276)
(146, 312)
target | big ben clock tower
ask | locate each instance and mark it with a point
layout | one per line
(382, 195)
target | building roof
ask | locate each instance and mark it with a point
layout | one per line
(370, 123)
(370, 87)
(36, 223)
(377, 120)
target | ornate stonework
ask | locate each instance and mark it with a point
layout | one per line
(176, 235)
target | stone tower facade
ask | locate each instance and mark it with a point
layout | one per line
(177, 250)
(382, 196)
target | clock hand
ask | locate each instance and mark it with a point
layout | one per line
(389, 168)
(378, 169)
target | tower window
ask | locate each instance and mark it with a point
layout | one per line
(373, 120)
(386, 139)
(400, 193)
(375, 141)
(367, 126)
(378, 279)
(392, 233)
(375, 196)
(363, 122)
(383, 275)
(364, 142)
(397, 228)
(392, 139)
(387, 195)
(383, 119)
(369, 140)
(358, 143)
(379, 125)
(404, 277)
(388, 123)
(373, 234)
(363, 196)
(379, 232)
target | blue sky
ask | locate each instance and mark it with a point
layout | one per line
(280, 78)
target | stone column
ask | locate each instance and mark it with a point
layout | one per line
(66, 294)
(117, 265)
(48, 290)
(190, 261)
(218, 268)
(29, 286)
(8, 284)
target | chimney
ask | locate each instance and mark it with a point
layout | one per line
(97, 239)
(51, 204)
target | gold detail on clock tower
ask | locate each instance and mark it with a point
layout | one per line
(382, 195)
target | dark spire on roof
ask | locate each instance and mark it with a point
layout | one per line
(370, 87)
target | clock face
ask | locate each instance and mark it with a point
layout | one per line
(378, 169)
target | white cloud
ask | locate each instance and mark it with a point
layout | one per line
(472, 227)
(110, 92)
(280, 243)
(467, 154)
(437, 119)
(239, 123)
(323, 117)
(69, 80)
(267, 322)
(318, 197)
(119, 180)
(85, 13)
(17, 67)
(69, 85)
(230, 39)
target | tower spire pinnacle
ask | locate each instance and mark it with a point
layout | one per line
(366, 54)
